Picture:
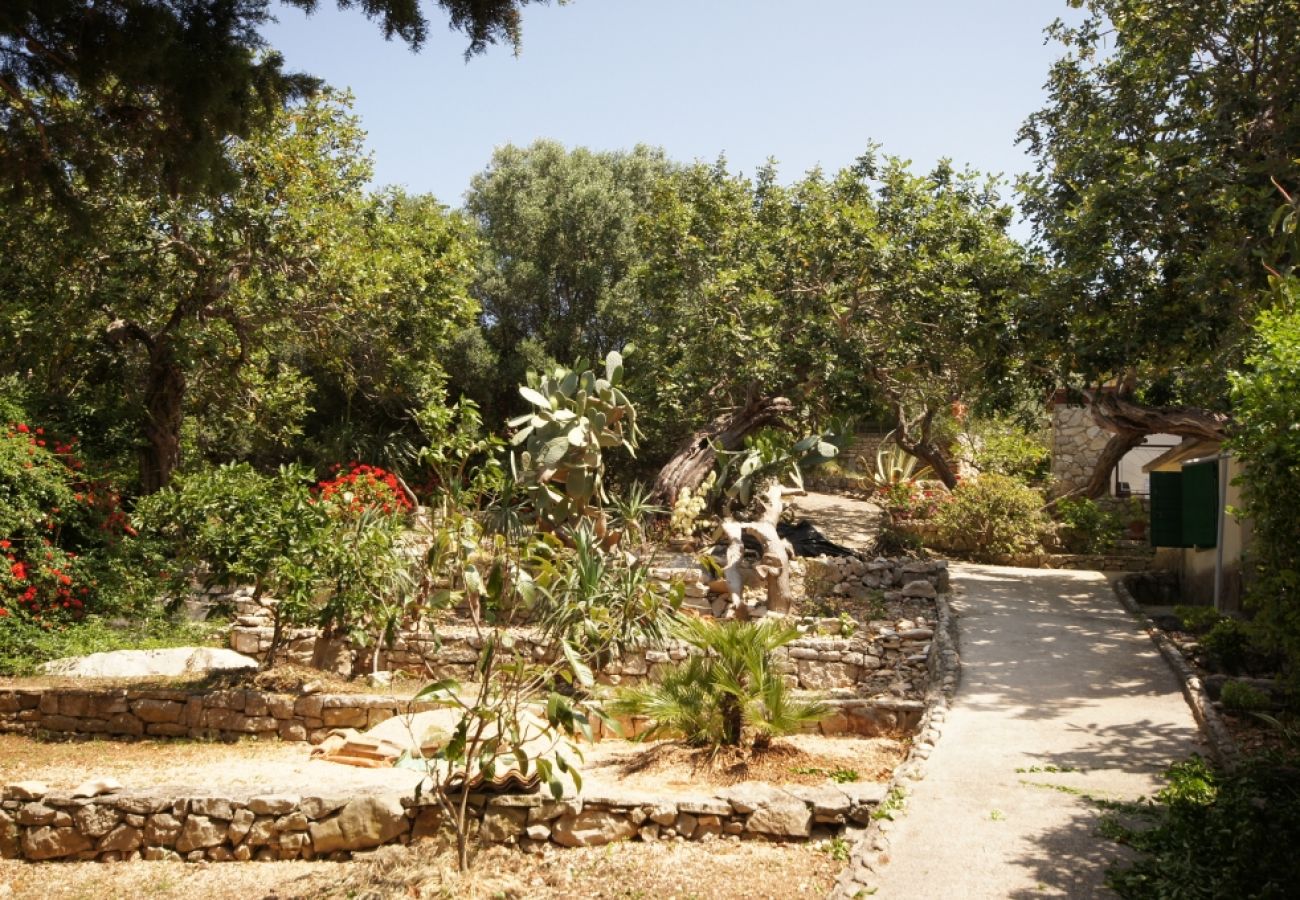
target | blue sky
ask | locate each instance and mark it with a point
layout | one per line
(807, 82)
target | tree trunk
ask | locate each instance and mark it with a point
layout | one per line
(773, 567)
(164, 396)
(1129, 423)
(932, 456)
(696, 457)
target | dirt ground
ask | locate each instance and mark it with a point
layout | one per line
(727, 870)
(852, 523)
(663, 768)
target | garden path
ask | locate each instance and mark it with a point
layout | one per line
(1062, 697)
(846, 521)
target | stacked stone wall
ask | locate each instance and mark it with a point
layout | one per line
(37, 824)
(1077, 444)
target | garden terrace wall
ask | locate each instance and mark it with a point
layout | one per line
(37, 824)
(223, 714)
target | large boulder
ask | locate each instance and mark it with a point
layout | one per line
(591, 828)
(172, 661)
(365, 822)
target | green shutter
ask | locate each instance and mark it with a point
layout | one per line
(1201, 504)
(1167, 509)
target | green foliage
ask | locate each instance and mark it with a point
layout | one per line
(633, 512)
(594, 602)
(1215, 833)
(575, 417)
(1089, 527)
(991, 516)
(1198, 619)
(1268, 445)
(1005, 446)
(727, 693)
(1241, 697)
(1228, 645)
(1155, 155)
(767, 455)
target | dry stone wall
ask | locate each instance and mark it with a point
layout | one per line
(37, 824)
(1077, 444)
(223, 714)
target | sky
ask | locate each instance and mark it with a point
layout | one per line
(806, 82)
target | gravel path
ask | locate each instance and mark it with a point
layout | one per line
(1062, 697)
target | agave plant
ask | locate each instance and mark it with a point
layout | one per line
(895, 466)
(575, 416)
(727, 694)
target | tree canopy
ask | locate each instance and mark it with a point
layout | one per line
(170, 80)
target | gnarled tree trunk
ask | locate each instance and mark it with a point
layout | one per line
(774, 567)
(1129, 423)
(164, 397)
(696, 457)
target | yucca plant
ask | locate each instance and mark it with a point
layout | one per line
(727, 694)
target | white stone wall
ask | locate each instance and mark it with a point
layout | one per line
(1077, 444)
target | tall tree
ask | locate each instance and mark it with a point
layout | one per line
(1166, 125)
(180, 297)
(171, 80)
(559, 228)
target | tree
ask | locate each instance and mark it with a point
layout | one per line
(1166, 124)
(171, 80)
(176, 292)
(559, 228)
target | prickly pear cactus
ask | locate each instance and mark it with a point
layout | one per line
(576, 415)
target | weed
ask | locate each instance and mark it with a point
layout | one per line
(891, 805)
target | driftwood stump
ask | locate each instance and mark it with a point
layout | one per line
(774, 565)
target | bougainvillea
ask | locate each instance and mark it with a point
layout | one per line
(55, 521)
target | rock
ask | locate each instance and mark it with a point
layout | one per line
(200, 832)
(273, 804)
(8, 836)
(501, 825)
(135, 663)
(238, 828)
(920, 588)
(538, 832)
(213, 807)
(158, 711)
(686, 824)
(26, 790)
(96, 820)
(262, 833)
(36, 814)
(97, 786)
(663, 813)
(162, 829)
(51, 843)
(363, 823)
(320, 807)
(829, 803)
(123, 838)
(591, 828)
(648, 832)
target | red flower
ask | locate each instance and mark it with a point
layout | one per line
(5, 545)
(3, 612)
(23, 429)
(18, 570)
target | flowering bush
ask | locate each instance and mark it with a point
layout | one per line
(61, 531)
(363, 487)
(912, 500)
(991, 517)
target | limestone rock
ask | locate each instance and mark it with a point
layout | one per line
(26, 790)
(51, 843)
(239, 825)
(363, 823)
(501, 825)
(172, 661)
(591, 828)
(273, 804)
(200, 832)
(96, 820)
(8, 836)
(123, 838)
(94, 787)
(920, 588)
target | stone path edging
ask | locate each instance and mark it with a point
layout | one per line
(1207, 717)
(872, 850)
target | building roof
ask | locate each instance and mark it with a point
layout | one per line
(1191, 448)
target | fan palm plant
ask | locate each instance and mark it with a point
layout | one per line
(727, 694)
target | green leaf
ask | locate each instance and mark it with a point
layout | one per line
(534, 397)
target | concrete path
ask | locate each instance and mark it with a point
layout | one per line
(1060, 694)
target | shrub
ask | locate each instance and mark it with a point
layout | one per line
(1227, 645)
(1242, 697)
(726, 694)
(1089, 528)
(992, 516)
(1215, 834)
(26, 644)
(1198, 619)
(1004, 447)
(1268, 444)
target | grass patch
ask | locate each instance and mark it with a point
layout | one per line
(25, 645)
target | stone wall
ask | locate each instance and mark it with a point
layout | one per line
(1077, 444)
(223, 714)
(38, 824)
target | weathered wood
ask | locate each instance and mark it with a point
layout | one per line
(773, 567)
(697, 456)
